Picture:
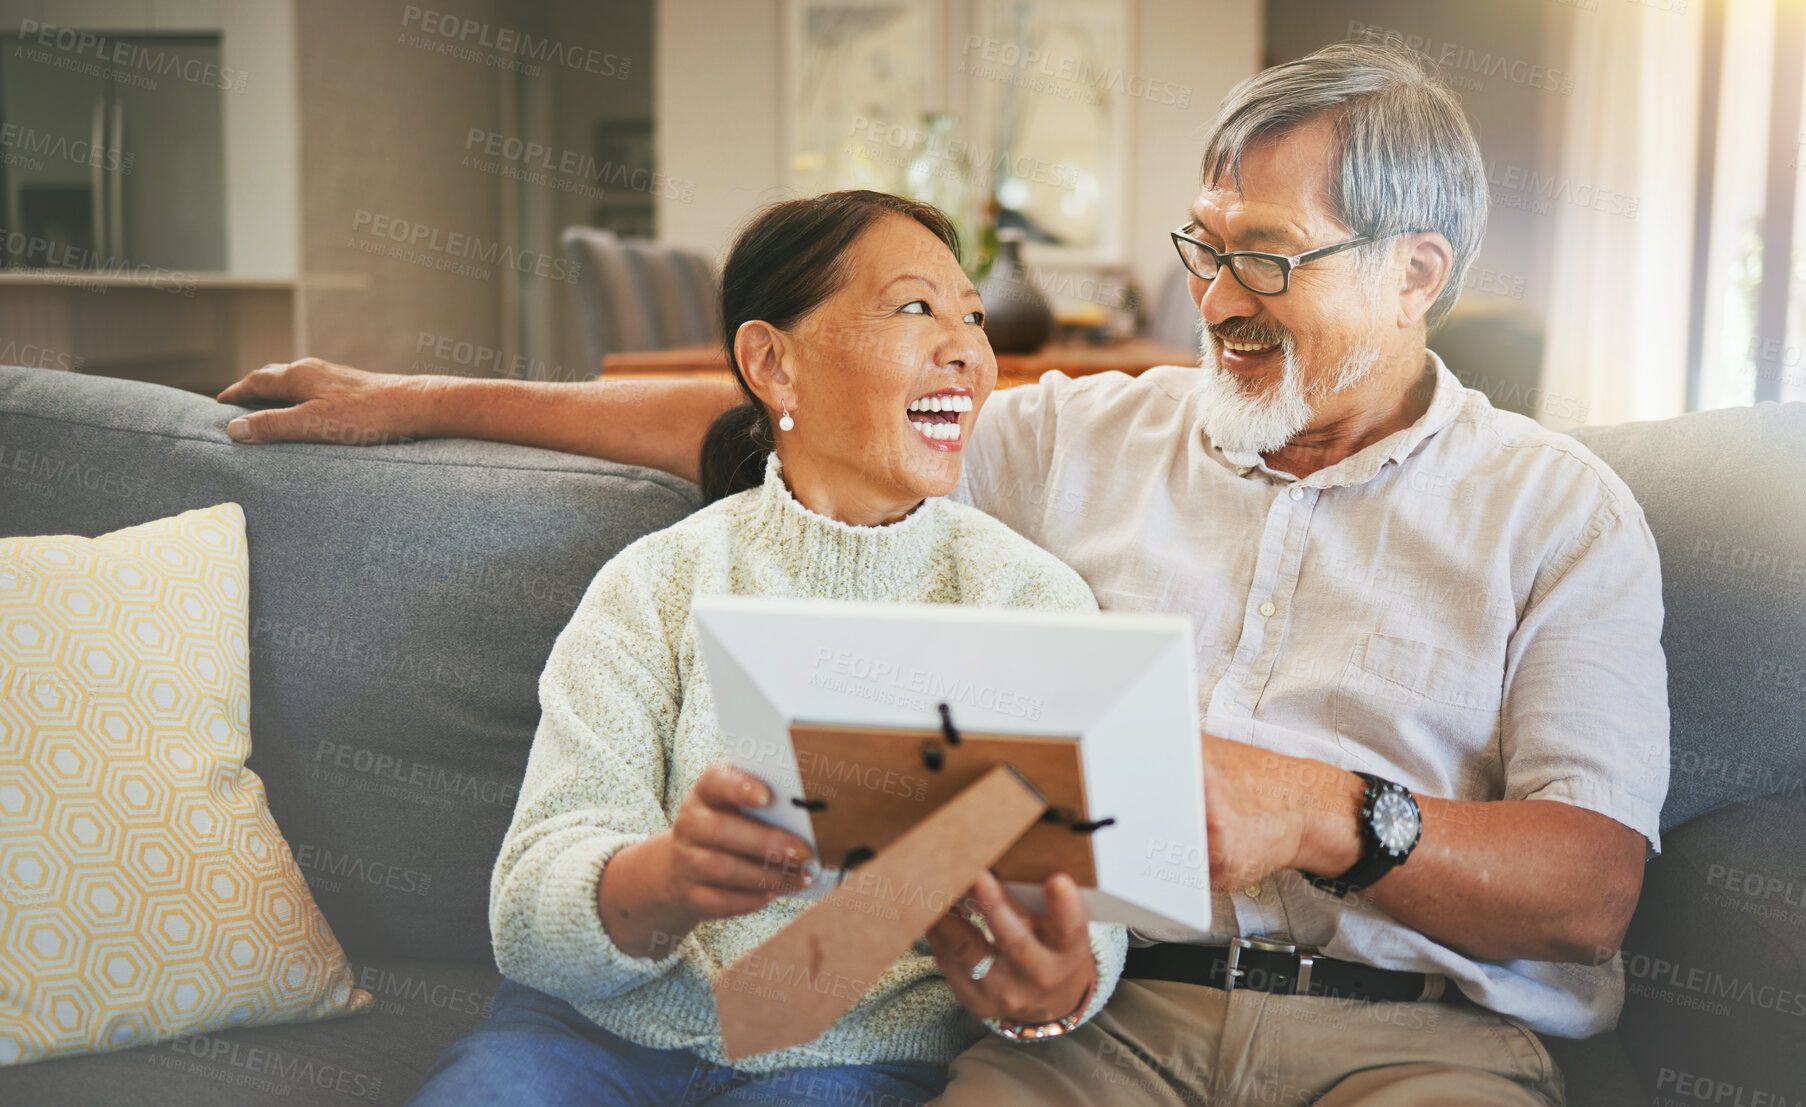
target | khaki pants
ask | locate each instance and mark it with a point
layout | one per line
(1159, 1042)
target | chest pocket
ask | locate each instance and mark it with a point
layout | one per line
(1430, 711)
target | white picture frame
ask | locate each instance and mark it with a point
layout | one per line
(1121, 686)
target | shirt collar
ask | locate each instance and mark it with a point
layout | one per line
(1365, 464)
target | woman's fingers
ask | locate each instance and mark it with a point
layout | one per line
(721, 847)
(743, 844)
(726, 788)
(958, 947)
(1042, 964)
(739, 874)
(1012, 930)
(1066, 925)
(718, 822)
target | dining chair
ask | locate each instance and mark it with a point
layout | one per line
(636, 294)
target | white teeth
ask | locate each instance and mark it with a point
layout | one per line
(1243, 347)
(939, 432)
(942, 403)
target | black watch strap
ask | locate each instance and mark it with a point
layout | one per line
(1375, 861)
(1363, 873)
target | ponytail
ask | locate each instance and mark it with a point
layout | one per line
(733, 451)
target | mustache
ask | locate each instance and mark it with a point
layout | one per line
(1242, 329)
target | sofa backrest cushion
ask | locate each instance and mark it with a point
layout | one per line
(404, 598)
(1725, 495)
(403, 601)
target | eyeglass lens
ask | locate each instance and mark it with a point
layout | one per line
(1259, 274)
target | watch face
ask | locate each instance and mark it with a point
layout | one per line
(1394, 821)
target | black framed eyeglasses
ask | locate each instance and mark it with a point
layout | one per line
(1261, 274)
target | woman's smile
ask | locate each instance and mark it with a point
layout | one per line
(936, 417)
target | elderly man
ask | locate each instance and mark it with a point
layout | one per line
(1427, 631)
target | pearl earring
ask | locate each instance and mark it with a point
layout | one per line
(786, 423)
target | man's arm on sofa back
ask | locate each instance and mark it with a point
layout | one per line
(659, 424)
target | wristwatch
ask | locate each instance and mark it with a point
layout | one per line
(1390, 826)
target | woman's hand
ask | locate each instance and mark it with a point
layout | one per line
(329, 403)
(714, 863)
(1042, 964)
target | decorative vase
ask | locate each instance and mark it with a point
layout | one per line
(1017, 320)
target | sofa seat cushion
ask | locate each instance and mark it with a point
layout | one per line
(380, 1056)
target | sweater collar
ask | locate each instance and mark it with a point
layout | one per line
(831, 558)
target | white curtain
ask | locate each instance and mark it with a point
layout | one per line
(1623, 201)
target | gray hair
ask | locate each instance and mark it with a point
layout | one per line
(1408, 160)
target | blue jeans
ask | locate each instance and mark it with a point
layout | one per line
(538, 1049)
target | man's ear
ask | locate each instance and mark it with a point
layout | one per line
(1429, 262)
(762, 351)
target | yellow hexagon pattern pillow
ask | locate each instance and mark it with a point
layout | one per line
(144, 888)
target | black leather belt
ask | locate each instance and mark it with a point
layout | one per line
(1281, 967)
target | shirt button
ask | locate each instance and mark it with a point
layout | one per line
(1267, 608)
(1228, 707)
(1297, 493)
(1252, 891)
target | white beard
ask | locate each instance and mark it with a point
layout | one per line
(1241, 420)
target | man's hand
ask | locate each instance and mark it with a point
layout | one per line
(1264, 812)
(1043, 964)
(1500, 879)
(329, 403)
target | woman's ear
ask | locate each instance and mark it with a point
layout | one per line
(762, 351)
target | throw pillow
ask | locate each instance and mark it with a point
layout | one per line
(145, 890)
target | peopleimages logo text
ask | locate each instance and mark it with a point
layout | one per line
(456, 244)
(509, 40)
(130, 54)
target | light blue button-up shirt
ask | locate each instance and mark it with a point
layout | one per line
(1471, 606)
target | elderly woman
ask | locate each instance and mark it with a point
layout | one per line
(631, 875)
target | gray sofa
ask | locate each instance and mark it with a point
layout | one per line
(404, 597)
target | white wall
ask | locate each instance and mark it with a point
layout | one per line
(382, 132)
(1209, 45)
(720, 112)
(263, 194)
(717, 116)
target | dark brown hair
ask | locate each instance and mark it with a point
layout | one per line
(789, 259)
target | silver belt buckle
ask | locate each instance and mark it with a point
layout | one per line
(1304, 957)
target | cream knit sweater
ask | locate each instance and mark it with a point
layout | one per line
(628, 725)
